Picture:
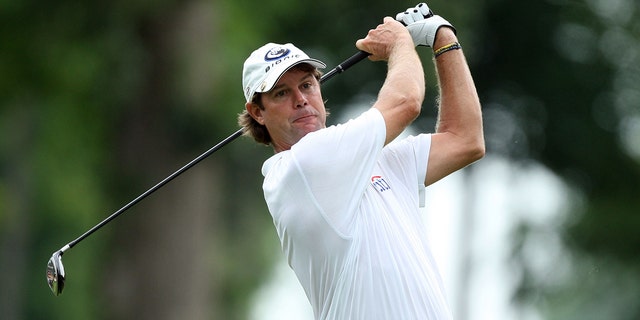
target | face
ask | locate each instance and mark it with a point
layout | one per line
(293, 108)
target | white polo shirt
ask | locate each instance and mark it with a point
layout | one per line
(347, 214)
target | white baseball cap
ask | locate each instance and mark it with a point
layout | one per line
(267, 64)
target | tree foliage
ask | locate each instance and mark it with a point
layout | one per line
(559, 80)
(101, 100)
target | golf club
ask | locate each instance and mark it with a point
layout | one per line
(55, 270)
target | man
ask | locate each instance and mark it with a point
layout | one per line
(345, 199)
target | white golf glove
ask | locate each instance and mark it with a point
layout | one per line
(422, 24)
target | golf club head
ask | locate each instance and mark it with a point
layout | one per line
(55, 273)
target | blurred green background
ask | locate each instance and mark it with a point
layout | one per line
(101, 100)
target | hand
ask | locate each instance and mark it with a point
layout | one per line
(386, 39)
(422, 24)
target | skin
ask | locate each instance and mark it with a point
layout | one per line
(295, 106)
(459, 138)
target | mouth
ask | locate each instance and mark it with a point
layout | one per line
(305, 118)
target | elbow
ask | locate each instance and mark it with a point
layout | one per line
(413, 104)
(411, 99)
(408, 106)
(475, 150)
(416, 107)
(478, 153)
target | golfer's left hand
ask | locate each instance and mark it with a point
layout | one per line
(422, 24)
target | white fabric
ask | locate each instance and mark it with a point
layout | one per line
(347, 214)
(264, 67)
(422, 24)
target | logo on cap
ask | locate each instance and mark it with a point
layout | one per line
(276, 53)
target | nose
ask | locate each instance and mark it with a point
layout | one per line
(300, 99)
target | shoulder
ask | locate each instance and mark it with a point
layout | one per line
(369, 124)
(419, 143)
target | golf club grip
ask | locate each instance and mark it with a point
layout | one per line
(359, 56)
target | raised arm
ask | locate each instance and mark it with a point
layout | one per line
(459, 139)
(402, 93)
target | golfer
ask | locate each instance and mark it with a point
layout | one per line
(345, 199)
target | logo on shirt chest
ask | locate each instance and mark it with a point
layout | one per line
(380, 184)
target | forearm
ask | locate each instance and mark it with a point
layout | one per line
(400, 98)
(458, 140)
(459, 108)
(405, 79)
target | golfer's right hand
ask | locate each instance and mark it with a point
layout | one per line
(382, 41)
(422, 24)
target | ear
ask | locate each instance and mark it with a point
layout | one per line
(255, 112)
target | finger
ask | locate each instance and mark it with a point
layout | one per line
(389, 21)
(400, 17)
(424, 10)
(360, 44)
(405, 17)
(415, 14)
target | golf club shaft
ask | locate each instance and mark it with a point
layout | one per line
(154, 188)
(359, 56)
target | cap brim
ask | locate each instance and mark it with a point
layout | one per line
(274, 77)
